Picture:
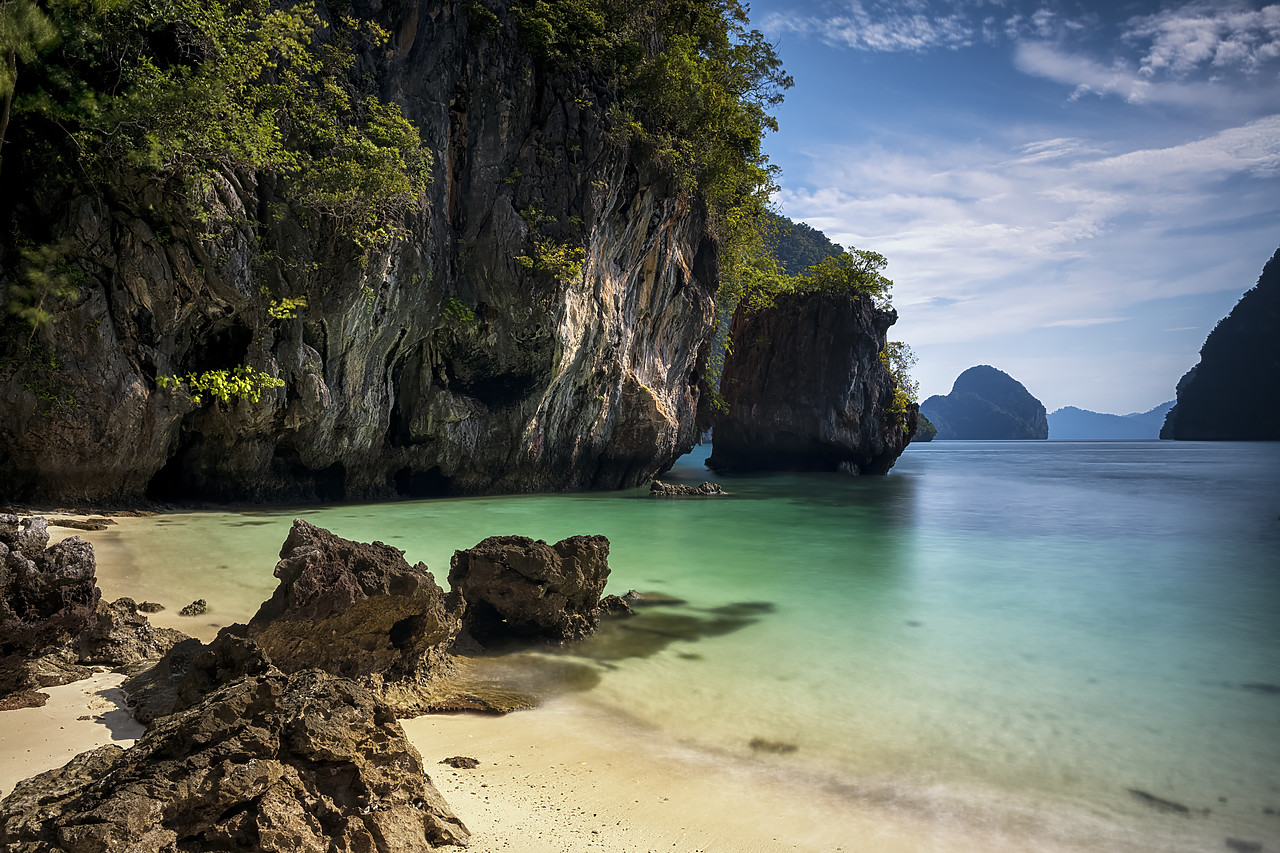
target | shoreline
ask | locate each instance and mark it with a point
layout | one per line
(571, 774)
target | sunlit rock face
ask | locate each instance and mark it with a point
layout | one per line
(440, 364)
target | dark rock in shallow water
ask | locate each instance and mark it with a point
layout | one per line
(776, 747)
(806, 389)
(150, 607)
(659, 489)
(1240, 846)
(615, 605)
(1260, 687)
(1159, 803)
(517, 587)
(272, 763)
(196, 608)
(635, 598)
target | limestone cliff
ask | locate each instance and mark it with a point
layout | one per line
(1231, 394)
(806, 389)
(438, 364)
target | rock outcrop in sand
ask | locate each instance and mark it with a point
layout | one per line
(517, 587)
(292, 764)
(53, 623)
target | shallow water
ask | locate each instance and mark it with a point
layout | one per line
(1011, 635)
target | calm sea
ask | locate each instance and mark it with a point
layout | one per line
(1073, 642)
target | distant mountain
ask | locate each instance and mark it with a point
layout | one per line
(1072, 423)
(1231, 394)
(798, 246)
(986, 403)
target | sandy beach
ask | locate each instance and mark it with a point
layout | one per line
(564, 777)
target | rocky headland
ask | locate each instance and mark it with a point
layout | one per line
(434, 363)
(986, 403)
(1230, 395)
(806, 389)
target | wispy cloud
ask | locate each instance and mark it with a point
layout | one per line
(1053, 233)
(876, 25)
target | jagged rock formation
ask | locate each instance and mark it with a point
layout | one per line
(806, 389)
(53, 623)
(273, 763)
(441, 365)
(1230, 395)
(986, 403)
(517, 587)
(1070, 422)
(352, 609)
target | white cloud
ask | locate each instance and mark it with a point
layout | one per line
(879, 26)
(1042, 233)
(1198, 35)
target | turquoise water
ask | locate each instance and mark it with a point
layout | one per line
(1012, 635)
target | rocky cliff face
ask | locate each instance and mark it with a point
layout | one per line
(806, 389)
(440, 364)
(986, 403)
(1230, 395)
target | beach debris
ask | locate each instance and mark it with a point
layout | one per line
(1241, 846)
(659, 489)
(150, 607)
(310, 758)
(775, 747)
(520, 588)
(462, 762)
(196, 608)
(1159, 803)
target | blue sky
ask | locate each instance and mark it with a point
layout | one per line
(1073, 192)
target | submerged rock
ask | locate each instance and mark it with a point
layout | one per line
(273, 763)
(806, 389)
(517, 587)
(196, 608)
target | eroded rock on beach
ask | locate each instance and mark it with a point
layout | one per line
(53, 622)
(354, 609)
(305, 762)
(520, 588)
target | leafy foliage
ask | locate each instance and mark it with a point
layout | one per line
(797, 245)
(45, 275)
(242, 382)
(286, 308)
(898, 359)
(559, 261)
(186, 90)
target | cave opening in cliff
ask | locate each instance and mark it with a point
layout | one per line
(223, 347)
(431, 483)
(168, 484)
